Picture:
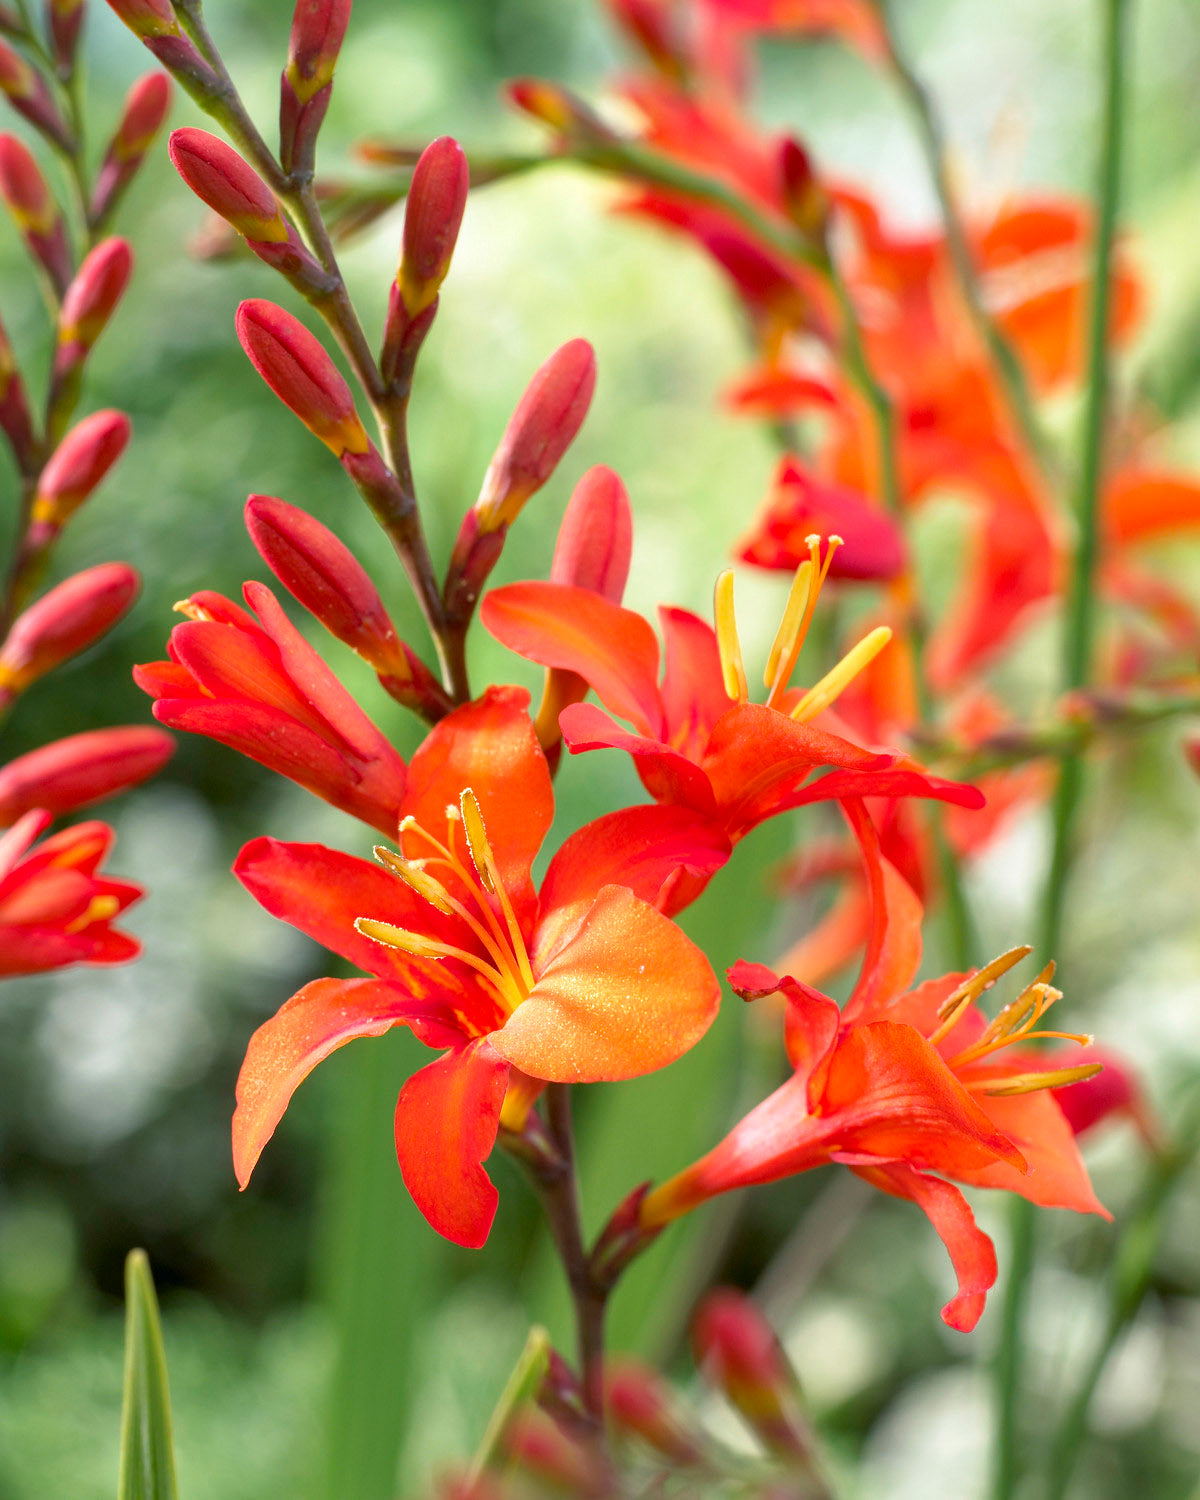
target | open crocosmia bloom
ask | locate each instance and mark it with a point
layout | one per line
(583, 981)
(698, 741)
(55, 909)
(907, 1088)
(260, 688)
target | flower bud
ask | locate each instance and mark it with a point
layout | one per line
(293, 362)
(90, 301)
(318, 27)
(32, 205)
(157, 24)
(546, 1451)
(77, 466)
(639, 1401)
(437, 197)
(147, 18)
(27, 93)
(737, 1349)
(540, 431)
(230, 186)
(652, 24)
(559, 108)
(804, 199)
(64, 622)
(65, 21)
(14, 407)
(81, 769)
(142, 116)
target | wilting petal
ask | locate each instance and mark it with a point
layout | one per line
(614, 650)
(489, 746)
(641, 848)
(627, 995)
(667, 775)
(757, 758)
(971, 1252)
(447, 1117)
(316, 1021)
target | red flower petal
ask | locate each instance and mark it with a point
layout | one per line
(893, 953)
(693, 689)
(971, 1252)
(666, 774)
(627, 995)
(614, 650)
(316, 1021)
(447, 1117)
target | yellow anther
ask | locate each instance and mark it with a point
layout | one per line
(98, 909)
(789, 637)
(728, 645)
(415, 943)
(477, 840)
(835, 682)
(414, 874)
(960, 999)
(1030, 1083)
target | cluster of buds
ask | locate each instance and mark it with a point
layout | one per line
(55, 906)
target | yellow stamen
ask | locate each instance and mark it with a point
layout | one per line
(789, 635)
(421, 946)
(836, 681)
(414, 874)
(728, 645)
(477, 840)
(98, 909)
(1030, 1083)
(959, 1000)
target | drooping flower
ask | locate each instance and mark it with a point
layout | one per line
(55, 907)
(260, 688)
(697, 740)
(582, 981)
(907, 1088)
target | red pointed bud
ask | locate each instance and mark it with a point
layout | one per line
(559, 108)
(91, 299)
(14, 407)
(737, 1349)
(32, 205)
(148, 18)
(540, 431)
(293, 362)
(142, 117)
(540, 1446)
(77, 466)
(804, 198)
(65, 22)
(640, 1402)
(27, 93)
(652, 24)
(318, 27)
(230, 186)
(81, 769)
(64, 622)
(595, 542)
(437, 198)
(157, 24)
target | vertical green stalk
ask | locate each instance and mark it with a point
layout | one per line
(1076, 666)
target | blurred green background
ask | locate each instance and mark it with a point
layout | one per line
(116, 1087)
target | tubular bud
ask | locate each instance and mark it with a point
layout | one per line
(77, 466)
(81, 769)
(142, 117)
(640, 1401)
(804, 200)
(293, 362)
(318, 27)
(64, 622)
(89, 302)
(559, 108)
(14, 407)
(737, 1348)
(540, 431)
(230, 186)
(652, 24)
(157, 24)
(29, 96)
(65, 21)
(32, 205)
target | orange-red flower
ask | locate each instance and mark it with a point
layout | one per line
(698, 742)
(906, 1087)
(259, 687)
(55, 908)
(582, 981)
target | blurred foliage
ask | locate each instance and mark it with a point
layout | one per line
(115, 1090)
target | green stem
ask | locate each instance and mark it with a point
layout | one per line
(1076, 665)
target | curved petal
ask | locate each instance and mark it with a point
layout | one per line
(810, 1023)
(693, 689)
(488, 745)
(627, 995)
(316, 1021)
(894, 943)
(322, 891)
(666, 774)
(758, 757)
(641, 848)
(972, 1254)
(898, 781)
(447, 1117)
(614, 650)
